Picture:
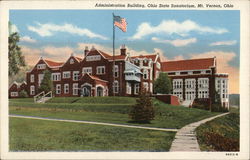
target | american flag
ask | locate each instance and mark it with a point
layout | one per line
(120, 23)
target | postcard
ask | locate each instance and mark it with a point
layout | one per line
(124, 79)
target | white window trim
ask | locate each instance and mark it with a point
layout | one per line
(32, 78)
(99, 70)
(13, 94)
(75, 88)
(116, 85)
(64, 88)
(145, 72)
(32, 90)
(57, 76)
(116, 71)
(66, 73)
(41, 66)
(71, 61)
(87, 70)
(128, 88)
(75, 72)
(58, 91)
(136, 86)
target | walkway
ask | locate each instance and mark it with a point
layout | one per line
(95, 123)
(185, 138)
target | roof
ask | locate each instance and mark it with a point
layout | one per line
(96, 78)
(191, 64)
(78, 58)
(53, 63)
(110, 57)
(152, 56)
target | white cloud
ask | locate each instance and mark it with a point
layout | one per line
(13, 28)
(27, 39)
(176, 42)
(173, 27)
(48, 29)
(220, 43)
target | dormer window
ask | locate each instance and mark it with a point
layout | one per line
(145, 60)
(71, 61)
(41, 66)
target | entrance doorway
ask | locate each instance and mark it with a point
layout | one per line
(86, 91)
(99, 91)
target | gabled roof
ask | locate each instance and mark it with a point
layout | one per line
(53, 63)
(78, 58)
(149, 56)
(93, 77)
(96, 78)
(191, 64)
(110, 57)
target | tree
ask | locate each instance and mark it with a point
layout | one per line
(163, 84)
(216, 104)
(16, 59)
(46, 84)
(23, 94)
(143, 111)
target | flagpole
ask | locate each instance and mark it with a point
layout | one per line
(113, 55)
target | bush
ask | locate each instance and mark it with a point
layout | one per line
(218, 108)
(221, 143)
(23, 94)
(143, 110)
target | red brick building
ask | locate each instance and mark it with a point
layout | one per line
(92, 76)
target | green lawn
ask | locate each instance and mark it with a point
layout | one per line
(220, 134)
(39, 135)
(167, 116)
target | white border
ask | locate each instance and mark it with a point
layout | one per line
(242, 5)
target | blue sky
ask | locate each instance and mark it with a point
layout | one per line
(177, 34)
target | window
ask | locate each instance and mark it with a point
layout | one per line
(115, 87)
(145, 85)
(66, 88)
(128, 88)
(75, 88)
(75, 75)
(32, 78)
(158, 65)
(100, 70)
(66, 74)
(14, 94)
(137, 88)
(71, 61)
(93, 58)
(145, 74)
(40, 79)
(116, 71)
(58, 89)
(87, 70)
(41, 66)
(32, 90)
(56, 76)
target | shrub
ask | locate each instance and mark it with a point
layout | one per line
(143, 110)
(23, 94)
(221, 143)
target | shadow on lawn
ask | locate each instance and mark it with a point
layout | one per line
(139, 122)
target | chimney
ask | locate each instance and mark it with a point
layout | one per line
(123, 50)
(86, 51)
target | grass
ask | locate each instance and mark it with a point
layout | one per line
(38, 135)
(167, 116)
(224, 130)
